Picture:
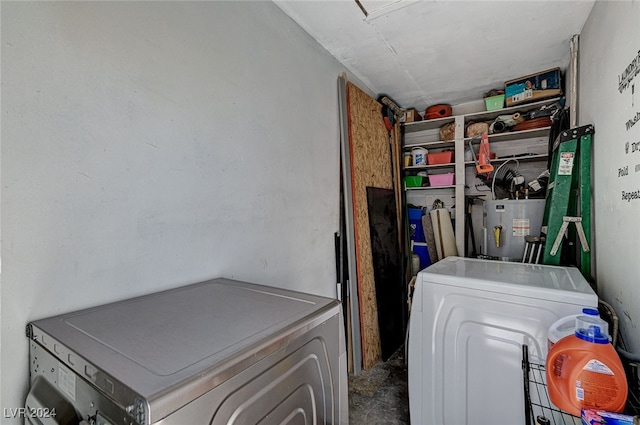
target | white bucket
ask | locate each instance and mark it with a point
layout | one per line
(419, 156)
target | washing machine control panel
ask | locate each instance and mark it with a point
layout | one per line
(73, 384)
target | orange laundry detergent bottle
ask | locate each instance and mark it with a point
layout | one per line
(584, 370)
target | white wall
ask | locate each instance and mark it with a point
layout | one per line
(609, 43)
(147, 145)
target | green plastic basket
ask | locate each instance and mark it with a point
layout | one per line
(413, 181)
(494, 102)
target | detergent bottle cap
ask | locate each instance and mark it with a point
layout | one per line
(593, 334)
(588, 320)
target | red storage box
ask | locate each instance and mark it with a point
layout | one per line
(445, 179)
(445, 157)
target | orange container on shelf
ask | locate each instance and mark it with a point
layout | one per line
(444, 157)
(584, 371)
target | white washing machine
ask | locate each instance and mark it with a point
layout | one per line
(469, 319)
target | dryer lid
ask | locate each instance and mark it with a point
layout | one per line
(553, 283)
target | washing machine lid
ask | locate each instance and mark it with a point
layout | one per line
(180, 342)
(552, 283)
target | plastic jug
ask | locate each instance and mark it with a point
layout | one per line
(419, 156)
(584, 370)
(566, 326)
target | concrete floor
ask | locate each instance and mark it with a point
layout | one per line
(379, 396)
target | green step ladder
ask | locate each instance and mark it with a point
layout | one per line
(569, 198)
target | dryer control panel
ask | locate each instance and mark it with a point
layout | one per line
(66, 395)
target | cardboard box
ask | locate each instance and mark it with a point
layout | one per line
(534, 87)
(411, 115)
(600, 417)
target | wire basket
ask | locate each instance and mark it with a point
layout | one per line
(537, 402)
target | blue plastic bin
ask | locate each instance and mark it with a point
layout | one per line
(423, 253)
(416, 232)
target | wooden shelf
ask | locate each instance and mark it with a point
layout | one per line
(514, 135)
(491, 115)
(526, 158)
(428, 167)
(493, 138)
(442, 144)
(411, 127)
(431, 187)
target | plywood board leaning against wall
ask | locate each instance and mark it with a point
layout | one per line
(370, 166)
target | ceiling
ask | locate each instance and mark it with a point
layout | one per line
(421, 53)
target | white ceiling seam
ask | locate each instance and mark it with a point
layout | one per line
(384, 39)
(387, 8)
(403, 69)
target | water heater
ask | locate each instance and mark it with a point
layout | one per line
(507, 222)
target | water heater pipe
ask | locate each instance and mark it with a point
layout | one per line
(573, 87)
